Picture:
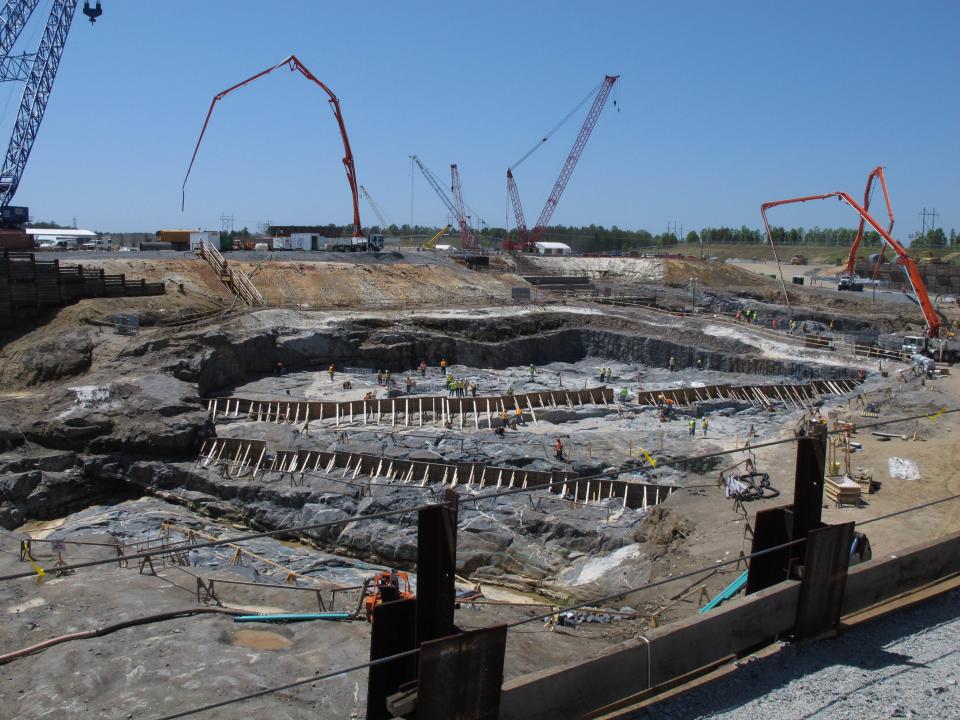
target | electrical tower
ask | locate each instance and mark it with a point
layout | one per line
(924, 214)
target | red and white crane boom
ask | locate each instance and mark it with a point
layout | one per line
(529, 237)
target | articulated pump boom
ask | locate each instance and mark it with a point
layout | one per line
(930, 314)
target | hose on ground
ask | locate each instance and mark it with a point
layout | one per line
(107, 629)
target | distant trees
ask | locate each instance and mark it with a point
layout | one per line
(600, 239)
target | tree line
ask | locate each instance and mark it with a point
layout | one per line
(598, 238)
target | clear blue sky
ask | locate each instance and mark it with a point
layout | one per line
(722, 106)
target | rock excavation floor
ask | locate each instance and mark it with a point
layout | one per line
(107, 442)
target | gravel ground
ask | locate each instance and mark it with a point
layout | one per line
(906, 665)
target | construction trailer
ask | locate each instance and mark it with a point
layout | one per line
(205, 238)
(552, 248)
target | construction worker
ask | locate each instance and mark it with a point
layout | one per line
(503, 418)
(533, 371)
(423, 368)
(387, 377)
(624, 395)
(379, 377)
(558, 447)
(673, 363)
(793, 327)
(699, 363)
(603, 373)
(692, 426)
(473, 389)
(704, 425)
(278, 371)
(518, 417)
(443, 366)
(331, 370)
(409, 384)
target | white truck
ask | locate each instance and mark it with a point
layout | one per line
(939, 349)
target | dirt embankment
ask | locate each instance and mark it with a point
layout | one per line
(357, 285)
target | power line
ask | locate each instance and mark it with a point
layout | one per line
(467, 498)
(594, 602)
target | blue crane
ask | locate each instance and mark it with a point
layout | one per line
(38, 70)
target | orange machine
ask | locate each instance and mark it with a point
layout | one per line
(384, 587)
(930, 314)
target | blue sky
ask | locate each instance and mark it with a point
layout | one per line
(722, 106)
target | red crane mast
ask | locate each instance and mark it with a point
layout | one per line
(529, 237)
(294, 64)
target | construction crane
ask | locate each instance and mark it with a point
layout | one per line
(529, 238)
(38, 70)
(376, 210)
(468, 240)
(930, 314)
(432, 242)
(294, 65)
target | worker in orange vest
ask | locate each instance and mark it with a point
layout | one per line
(331, 370)
(443, 366)
(558, 446)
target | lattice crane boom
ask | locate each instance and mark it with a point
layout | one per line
(437, 187)
(468, 240)
(13, 16)
(529, 238)
(39, 83)
(376, 210)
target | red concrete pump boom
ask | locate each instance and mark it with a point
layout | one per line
(529, 237)
(876, 173)
(294, 64)
(930, 314)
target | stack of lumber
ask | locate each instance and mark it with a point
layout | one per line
(842, 490)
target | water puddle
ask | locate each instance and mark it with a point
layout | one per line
(261, 640)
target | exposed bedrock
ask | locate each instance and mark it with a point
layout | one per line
(222, 359)
(139, 414)
(527, 539)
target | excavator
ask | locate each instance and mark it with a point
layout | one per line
(932, 317)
